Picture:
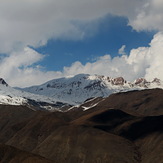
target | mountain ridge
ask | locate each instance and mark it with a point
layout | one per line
(60, 94)
(75, 90)
(12, 96)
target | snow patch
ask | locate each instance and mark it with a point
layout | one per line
(87, 108)
(7, 100)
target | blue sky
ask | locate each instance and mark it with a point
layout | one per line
(46, 39)
(112, 32)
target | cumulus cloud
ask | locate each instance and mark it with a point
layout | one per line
(141, 62)
(22, 69)
(22, 59)
(148, 16)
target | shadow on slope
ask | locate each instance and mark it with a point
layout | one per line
(122, 124)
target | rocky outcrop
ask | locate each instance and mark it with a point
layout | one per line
(2, 81)
(118, 81)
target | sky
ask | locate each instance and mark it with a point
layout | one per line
(42, 40)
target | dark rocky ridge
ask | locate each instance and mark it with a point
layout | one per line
(2, 81)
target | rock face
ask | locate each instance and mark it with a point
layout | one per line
(116, 129)
(118, 81)
(3, 82)
(157, 81)
(141, 82)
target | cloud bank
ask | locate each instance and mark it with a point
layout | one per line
(27, 23)
(23, 69)
(141, 62)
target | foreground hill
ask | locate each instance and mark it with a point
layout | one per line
(145, 102)
(112, 131)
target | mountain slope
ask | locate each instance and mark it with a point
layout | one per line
(9, 154)
(11, 96)
(105, 133)
(75, 90)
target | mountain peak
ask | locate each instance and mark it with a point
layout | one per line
(118, 81)
(156, 80)
(2, 81)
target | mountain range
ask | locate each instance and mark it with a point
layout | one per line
(61, 94)
(75, 90)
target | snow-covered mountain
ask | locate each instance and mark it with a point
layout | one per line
(63, 92)
(11, 96)
(75, 90)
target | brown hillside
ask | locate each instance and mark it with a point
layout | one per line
(10, 154)
(123, 128)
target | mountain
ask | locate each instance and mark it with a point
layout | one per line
(137, 102)
(75, 90)
(125, 127)
(11, 96)
(61, 94)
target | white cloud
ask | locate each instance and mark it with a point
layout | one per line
(19, 68)
(122, 50)
(17, 60)
(148, 16)
(27, 22)
(142, 62)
